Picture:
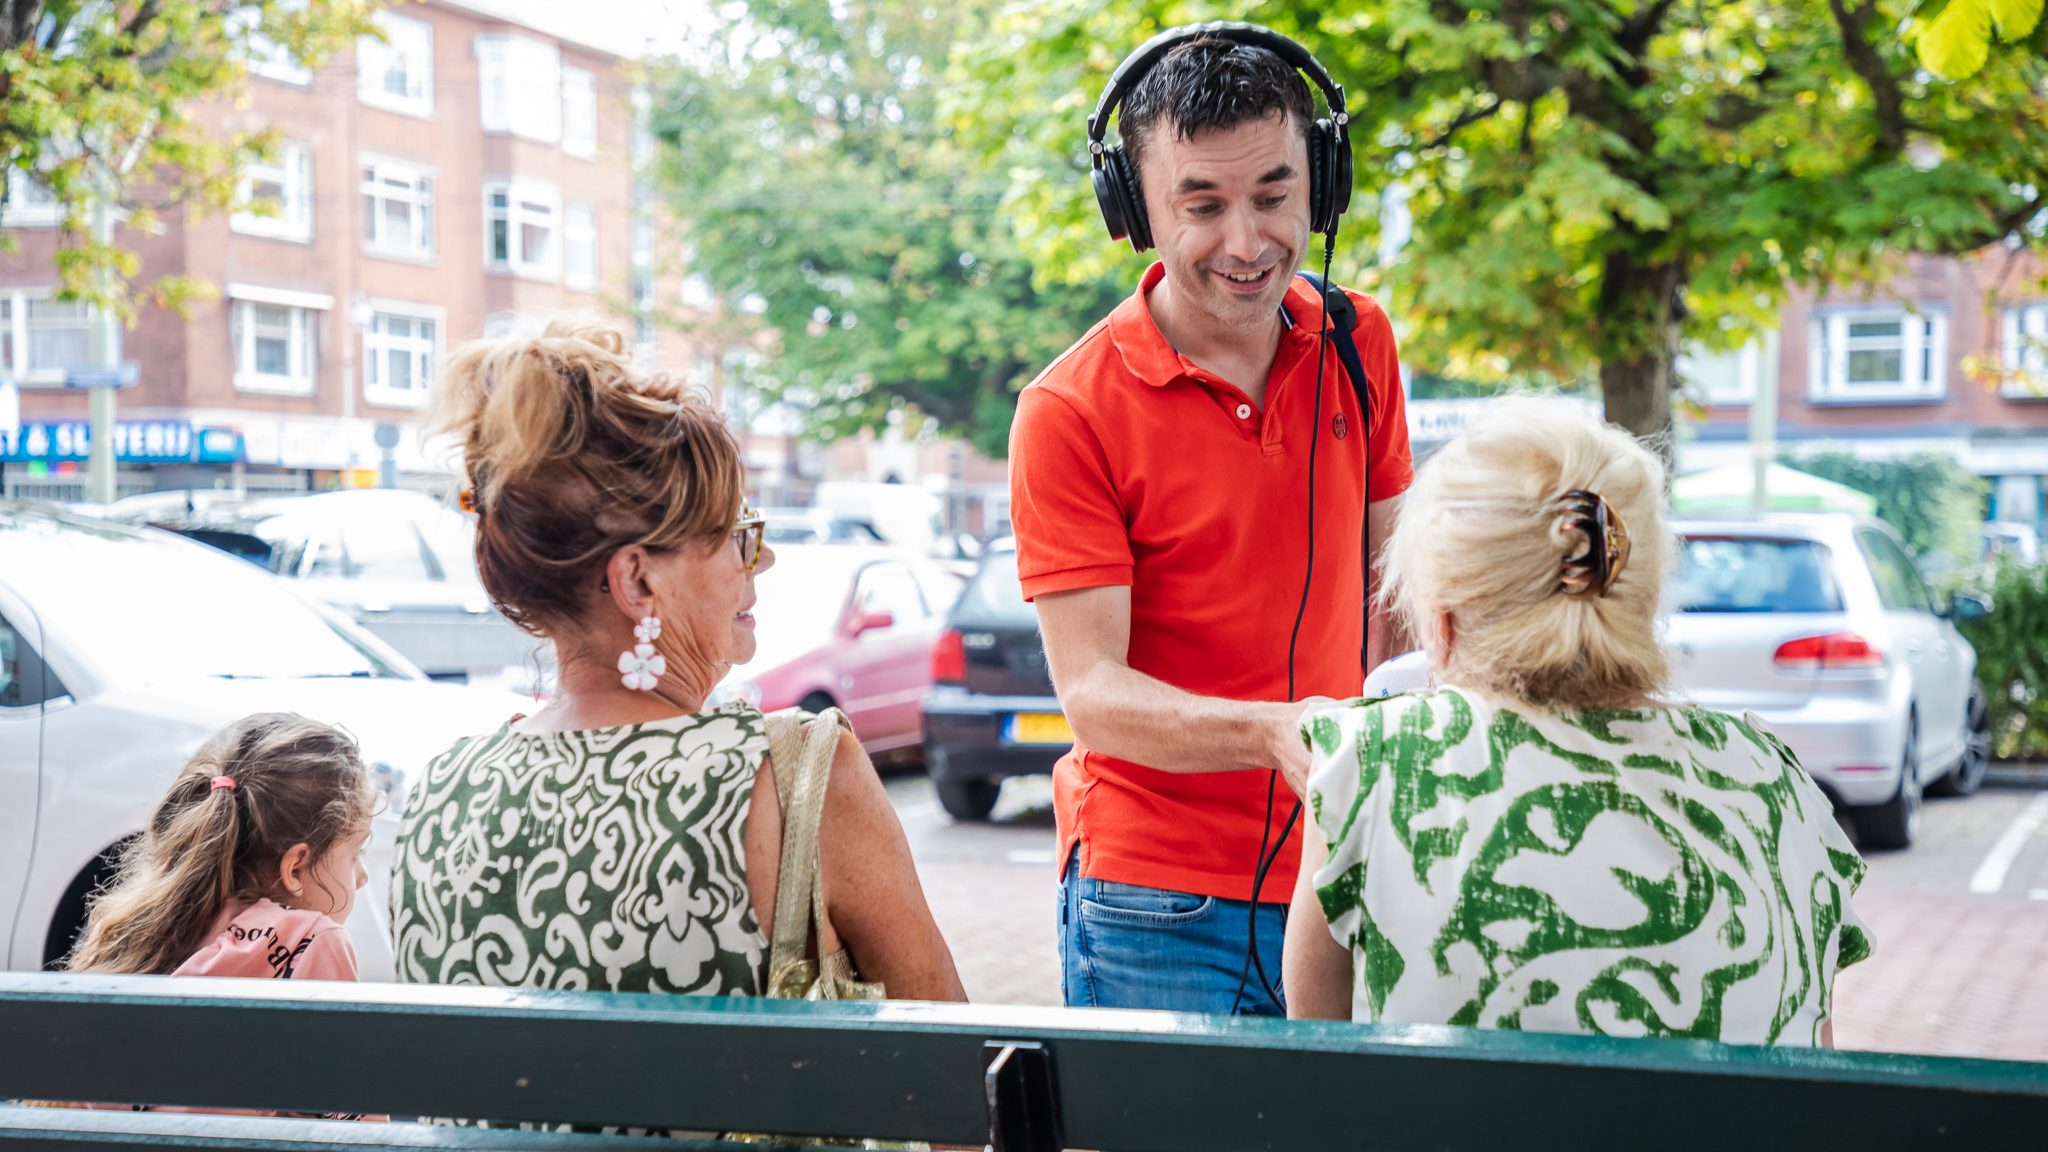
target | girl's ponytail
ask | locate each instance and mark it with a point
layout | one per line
(288, 780)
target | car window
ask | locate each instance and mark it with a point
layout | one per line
(1898, 584)
(891, 588)
(941, 589)
(994, 598)
(790, 532)
(388, 550)
(1753, 574)
(24, 678)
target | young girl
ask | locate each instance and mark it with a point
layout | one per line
(250, 864)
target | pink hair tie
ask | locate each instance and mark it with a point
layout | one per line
(220, 782)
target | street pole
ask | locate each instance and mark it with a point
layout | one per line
(1763, 424)
(106, 353)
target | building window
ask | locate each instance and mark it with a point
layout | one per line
(519, 87)
(267, 58)
(273, 347)
(579, 112)
(399, 352)
(1730, 379)
(579, 247)
(285, 187)
(397, 74)
(41, 339)
(29, 204)
(398, 211)
(2024, 344)
(520, 218)
(1878, 355)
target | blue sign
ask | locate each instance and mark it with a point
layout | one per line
(123, 376)
(135, 441)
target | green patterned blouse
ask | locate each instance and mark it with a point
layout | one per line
(1669, 872)
(610, 860)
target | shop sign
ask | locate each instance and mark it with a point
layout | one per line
(135, 441)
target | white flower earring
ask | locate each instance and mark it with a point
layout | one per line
(643, 666)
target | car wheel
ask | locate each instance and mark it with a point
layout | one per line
(816, 702)
(1894, 823)
(68, 925)
(1968, 774)
(969, 799)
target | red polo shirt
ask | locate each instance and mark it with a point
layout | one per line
(1131, 466)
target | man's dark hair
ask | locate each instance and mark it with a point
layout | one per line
(1208, 85)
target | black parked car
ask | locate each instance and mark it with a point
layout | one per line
(991, 712)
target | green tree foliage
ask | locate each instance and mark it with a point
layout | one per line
(2012, 657)
(1592, 182)
(92, 103)
(816, 187)
(1954, 39)
(1933, 502)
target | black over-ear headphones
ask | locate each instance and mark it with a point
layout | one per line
(1329, 141)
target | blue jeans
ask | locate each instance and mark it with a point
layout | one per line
(1126, 946)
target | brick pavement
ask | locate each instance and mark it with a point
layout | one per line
(1953, 975)
(999, 919)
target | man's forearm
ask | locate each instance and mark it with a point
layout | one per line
(1120, 712)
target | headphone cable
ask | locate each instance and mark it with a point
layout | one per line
(1266, 862)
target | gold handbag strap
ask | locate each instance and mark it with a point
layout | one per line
(802, 754)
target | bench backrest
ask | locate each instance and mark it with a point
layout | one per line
(1131, 1081)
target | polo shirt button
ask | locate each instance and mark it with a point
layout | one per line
(1244, 411)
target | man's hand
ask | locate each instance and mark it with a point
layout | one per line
(1291, 755)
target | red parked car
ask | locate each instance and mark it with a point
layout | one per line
(847, 626)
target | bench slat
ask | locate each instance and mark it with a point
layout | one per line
(1132, 1081)
(66, 1130)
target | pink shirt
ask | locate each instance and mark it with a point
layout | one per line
(267, 939)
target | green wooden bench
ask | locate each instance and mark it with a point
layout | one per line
(1130, 1081)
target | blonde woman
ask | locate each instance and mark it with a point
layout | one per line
(1543, 842)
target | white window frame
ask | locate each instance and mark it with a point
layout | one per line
(1742, 367)
(15, 350)
(29, 204)
(579, 112)
(418, 192)
(2023, 346)
(1923, 355)
(293, 172)
(377, 347)
(411, 44)
(519, 86)
(579, 233)
(305, 312)
(519, 193)
(266, 57)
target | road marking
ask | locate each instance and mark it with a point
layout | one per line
(1031, 856)
(917, 811)
(1990, 874)
(2037, 893)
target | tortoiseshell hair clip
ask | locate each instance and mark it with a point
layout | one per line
(1592, 572)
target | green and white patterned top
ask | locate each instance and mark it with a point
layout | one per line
(609, 860)
(1669, 872)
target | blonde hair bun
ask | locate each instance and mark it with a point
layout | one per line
(1480, 538)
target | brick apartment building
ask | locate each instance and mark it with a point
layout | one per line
(1881, 373)
(440, 187)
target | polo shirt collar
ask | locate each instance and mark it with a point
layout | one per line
(1145, 349)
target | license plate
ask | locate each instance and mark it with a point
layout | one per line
(1037, 728)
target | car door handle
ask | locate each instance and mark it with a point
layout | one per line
(1913, 651)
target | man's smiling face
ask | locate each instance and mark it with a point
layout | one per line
(1229, 212)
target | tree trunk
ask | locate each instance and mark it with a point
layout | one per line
(1637, 382)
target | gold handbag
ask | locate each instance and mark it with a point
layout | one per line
(802, 747)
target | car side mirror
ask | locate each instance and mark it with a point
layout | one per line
(868, 621)
(1966, 606)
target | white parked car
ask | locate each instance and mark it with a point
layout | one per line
(400, 563)
(121, 650)
(1821, 626)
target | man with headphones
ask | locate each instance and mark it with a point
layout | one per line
(1194, 488)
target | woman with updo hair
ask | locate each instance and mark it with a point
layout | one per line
(1542, 840)
(625, 837)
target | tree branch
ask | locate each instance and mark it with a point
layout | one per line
(1864, 59)
(1466, 119)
